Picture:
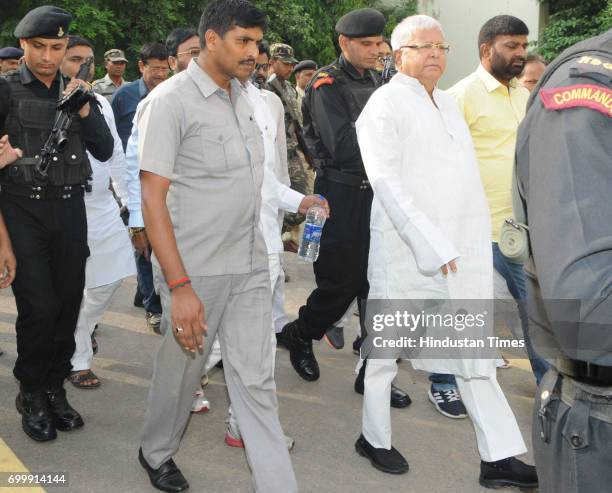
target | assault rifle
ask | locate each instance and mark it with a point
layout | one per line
(67, 107)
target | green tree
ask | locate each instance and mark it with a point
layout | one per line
(307, 25)
(571, 21)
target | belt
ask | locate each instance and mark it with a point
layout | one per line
(585, 372)
(36, 192)
(336, 176)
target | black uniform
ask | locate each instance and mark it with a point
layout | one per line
(564, 167)
(47, 225)
(332, 103)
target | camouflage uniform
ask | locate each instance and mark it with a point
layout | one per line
(105, 86)
(296, 162)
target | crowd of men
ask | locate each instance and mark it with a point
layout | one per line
(197, 177)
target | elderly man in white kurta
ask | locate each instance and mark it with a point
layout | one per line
(430, 235)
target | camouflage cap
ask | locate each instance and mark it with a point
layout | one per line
(282, 52)
(115, 55)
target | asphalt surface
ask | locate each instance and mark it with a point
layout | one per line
(323, 417)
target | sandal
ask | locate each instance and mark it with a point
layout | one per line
(78, 379)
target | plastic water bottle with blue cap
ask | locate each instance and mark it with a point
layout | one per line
(313, 227)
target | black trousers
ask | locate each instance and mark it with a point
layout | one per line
(49, 239)
(341, 271)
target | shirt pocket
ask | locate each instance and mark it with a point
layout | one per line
(222, 149)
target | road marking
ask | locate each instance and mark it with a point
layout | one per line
(9, 462)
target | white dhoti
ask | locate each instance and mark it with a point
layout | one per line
(94, 304)
(497, 433)
(111, 254)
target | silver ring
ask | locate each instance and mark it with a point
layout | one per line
(178, 329)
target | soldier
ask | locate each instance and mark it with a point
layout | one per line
(334, 99)
(282, 63)
(45, 217)
(303, 74)
(9, 59)
(564, 181)
(115, 63)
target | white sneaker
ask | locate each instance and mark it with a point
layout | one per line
(200, 403)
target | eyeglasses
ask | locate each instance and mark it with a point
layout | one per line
(193, 52)
(158, 69)
(445, 47)
(262, 66)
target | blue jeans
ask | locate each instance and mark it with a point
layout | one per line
(150, 299)
(514, 275)
(442, 381)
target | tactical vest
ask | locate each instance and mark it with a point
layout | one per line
(28, 124)
(354, 95)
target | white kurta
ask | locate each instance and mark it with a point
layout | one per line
(429, 205)
(276, 195)
(111, 253)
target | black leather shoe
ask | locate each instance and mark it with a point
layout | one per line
(36, 420)
(390, 461)
(65, 417)
(399, 398)
(300, 352)
(508, 472)
(166, 477)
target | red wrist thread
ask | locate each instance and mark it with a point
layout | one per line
(176, 282)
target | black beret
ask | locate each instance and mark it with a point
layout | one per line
(44, 22)
(361, 23)
(10, 53)
(305, 65)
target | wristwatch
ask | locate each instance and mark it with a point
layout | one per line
(135, 231)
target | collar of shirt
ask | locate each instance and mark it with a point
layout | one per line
(143, 90)
(490, 82)
(108, 80)
(27, 77)
(207, 86)
(406, 80)
(352, 72)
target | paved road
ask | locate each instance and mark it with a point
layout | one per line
(323, 417)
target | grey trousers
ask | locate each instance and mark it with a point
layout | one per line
(572, 441)
(238, 311)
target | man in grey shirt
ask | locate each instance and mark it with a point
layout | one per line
(201, 158)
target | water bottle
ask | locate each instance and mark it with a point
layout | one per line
(311, 239)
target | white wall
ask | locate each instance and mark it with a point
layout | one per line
(462, 20)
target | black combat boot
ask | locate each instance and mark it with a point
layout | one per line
(36, 420)
(65, 417)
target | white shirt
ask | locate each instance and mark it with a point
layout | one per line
(275, 194)
(110, 247)
(133, 176)
(429, 205)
